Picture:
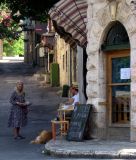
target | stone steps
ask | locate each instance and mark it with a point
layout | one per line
(42, 78)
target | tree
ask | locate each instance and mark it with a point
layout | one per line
(37, 10)
(8, 27)
(13, 48)
(21, 9)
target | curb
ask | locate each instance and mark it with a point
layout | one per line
(53, 151)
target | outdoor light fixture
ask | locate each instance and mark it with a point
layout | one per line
(27, 25)
(113, 9)
(49, 39)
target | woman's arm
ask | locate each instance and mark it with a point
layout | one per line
(13, 99)
(21, 104)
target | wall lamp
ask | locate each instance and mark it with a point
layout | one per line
(113, 8)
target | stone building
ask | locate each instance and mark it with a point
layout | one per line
(69, 20)
(111, 64)
(66, 57)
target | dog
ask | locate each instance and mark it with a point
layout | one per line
(43, 137)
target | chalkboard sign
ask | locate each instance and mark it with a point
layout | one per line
(78, 122)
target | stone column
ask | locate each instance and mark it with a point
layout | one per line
(133, 93)
(68, 56)
(26, 50)
(129, 23)
(80, 74)
(96, 92)
(31, 47)
(96, 88)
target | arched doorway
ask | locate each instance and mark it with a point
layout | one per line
(117, 49)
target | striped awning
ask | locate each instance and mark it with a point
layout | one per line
(71, 15)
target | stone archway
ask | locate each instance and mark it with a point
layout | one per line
(98, 20)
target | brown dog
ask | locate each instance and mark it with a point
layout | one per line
(43, 137)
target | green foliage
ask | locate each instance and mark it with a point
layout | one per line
(37, 10)
(13, 48)
(7, 33)
(21, 9)
(3, 6)
(8, 27)
(54, 74)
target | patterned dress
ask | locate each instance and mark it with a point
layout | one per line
(18, 114)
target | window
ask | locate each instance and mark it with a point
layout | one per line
(66, 61)
(63, 62)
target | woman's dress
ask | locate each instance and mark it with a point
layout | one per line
(18, 114)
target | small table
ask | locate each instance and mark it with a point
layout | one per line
(62, 112)
(64, 125)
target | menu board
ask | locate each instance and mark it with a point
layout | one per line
(78, 122)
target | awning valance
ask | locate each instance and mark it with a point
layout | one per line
(71, 15)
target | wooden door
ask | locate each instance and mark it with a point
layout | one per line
(118, 87)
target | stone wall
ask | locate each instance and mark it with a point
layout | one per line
(99, 21)
(61, 50)
(66, 57)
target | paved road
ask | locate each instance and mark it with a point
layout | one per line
(45, 102)
(44, 106)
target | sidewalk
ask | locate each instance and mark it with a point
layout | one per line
(44, 105)
(11, 59)
(91, 149)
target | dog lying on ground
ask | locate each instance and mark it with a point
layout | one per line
(42, 138)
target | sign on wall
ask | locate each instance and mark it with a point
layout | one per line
(125, 73)
(41, 52)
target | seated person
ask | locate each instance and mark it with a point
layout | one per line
(75, 96)
(74, 100)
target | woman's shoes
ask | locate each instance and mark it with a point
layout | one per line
(19, 137)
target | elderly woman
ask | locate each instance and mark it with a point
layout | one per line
(18, 114)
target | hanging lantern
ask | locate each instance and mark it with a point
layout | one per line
(47, 40)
